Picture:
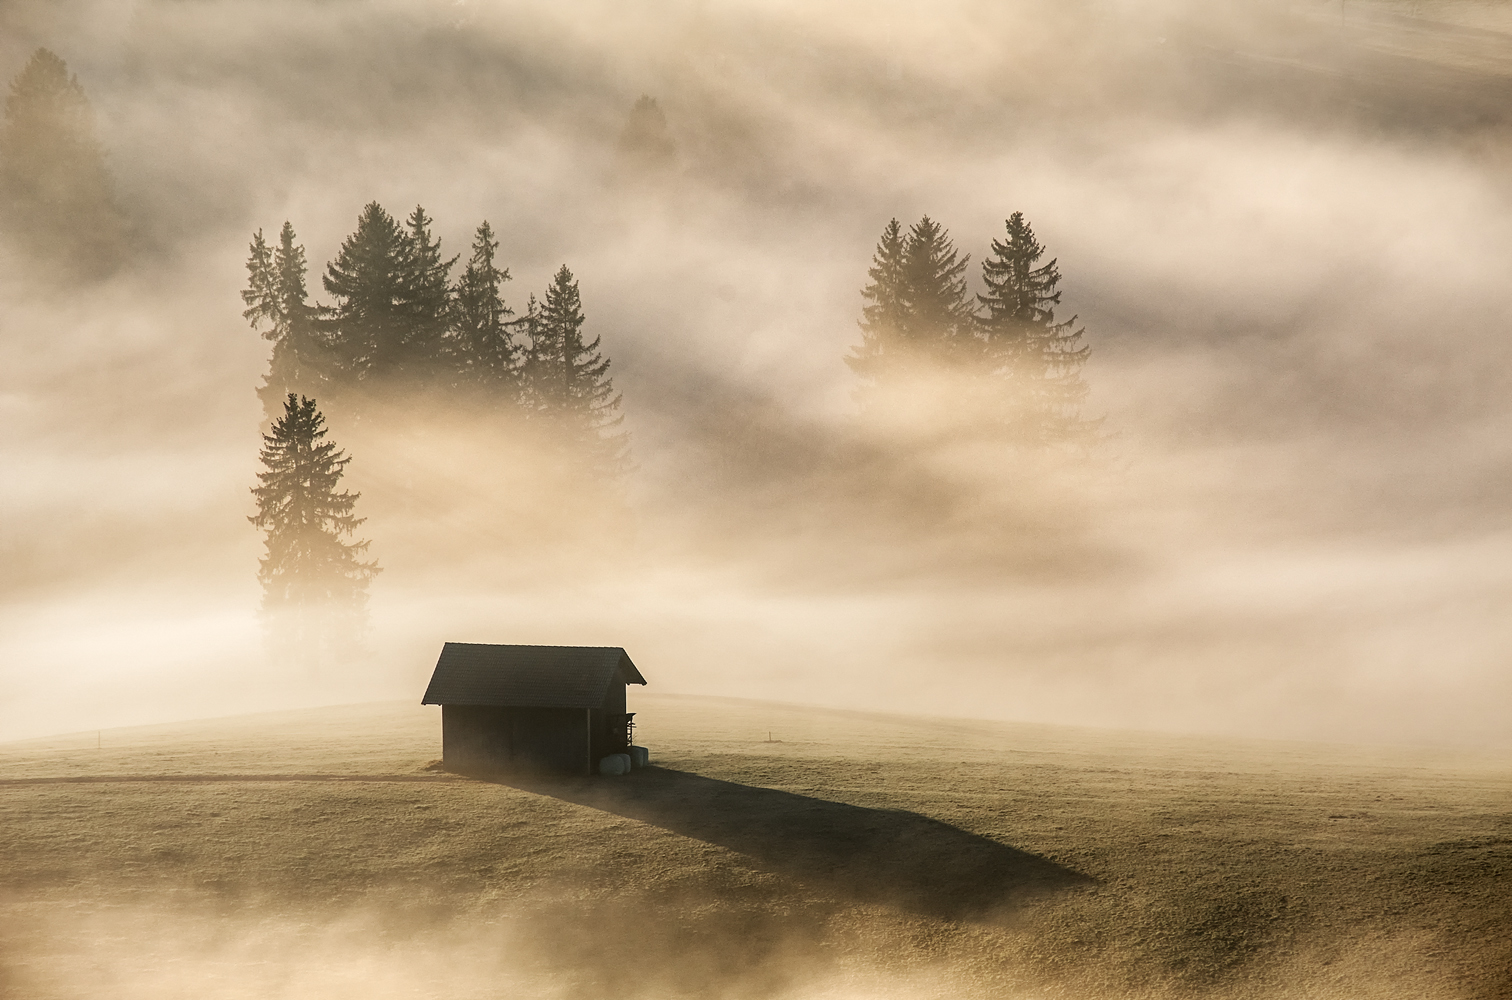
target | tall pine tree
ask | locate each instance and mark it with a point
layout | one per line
(484, 351)
(314, 579)
(917, 316)
(389, 323)
(1033, 361)
(884, 315)
(370, 321)
(646, 146)
(277, 299)
(55, 191)
(938, 313)
(424, 296)
(568, 381)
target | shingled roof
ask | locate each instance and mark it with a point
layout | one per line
(473, 673)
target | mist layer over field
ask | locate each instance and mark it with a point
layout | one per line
(1285, 227)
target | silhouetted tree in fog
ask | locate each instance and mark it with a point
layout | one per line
(938, 313)
(55, 192)
(389, 322)
(424, 296)
(567, 380)
(398, 326)
(484, 349)
(370, 321)
(314, 579)
(883, 317)
(918, 316)
(1004, 361)
(1034, 362)
(277, 299)
(646, 145)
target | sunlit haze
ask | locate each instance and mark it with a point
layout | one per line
(1285, 227)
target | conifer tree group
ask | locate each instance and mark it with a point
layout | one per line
(1021, 365)
(278, 301)
(399, 324)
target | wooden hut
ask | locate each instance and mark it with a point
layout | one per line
(531, 709)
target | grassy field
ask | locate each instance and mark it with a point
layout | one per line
(774, 852)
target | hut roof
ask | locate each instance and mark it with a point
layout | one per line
(473, 673)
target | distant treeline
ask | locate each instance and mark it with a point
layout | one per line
(1001, 358)
(399, 324)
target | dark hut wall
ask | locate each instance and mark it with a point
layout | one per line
(607, 722)
(488, 737)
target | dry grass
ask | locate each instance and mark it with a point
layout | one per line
(312, 854)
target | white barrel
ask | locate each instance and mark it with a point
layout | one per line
(639, 756)
(615, 764)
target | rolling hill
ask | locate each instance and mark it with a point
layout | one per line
(774, 851)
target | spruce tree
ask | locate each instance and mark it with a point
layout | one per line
(314, 579)
(484, 350)
(425, 299)
(55, 191)
(917, 316)
(261, 293)
(645, 145)
(277, 299)
(884, 315)
(389, 322)
(541, 374)
(370, 319)
(938, 311)
(1034, 361)
(568, 379)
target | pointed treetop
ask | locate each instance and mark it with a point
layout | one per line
(1017, 290)
(261, 293)
(44, 79)
(483, 339)
(289, 262)
(935, 283)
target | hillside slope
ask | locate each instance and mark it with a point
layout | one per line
(775, 851)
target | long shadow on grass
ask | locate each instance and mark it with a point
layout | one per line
(864, 855)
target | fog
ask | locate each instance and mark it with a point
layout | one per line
(138, 951)
(1285, 227)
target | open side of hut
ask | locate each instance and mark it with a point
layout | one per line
(531, 709)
